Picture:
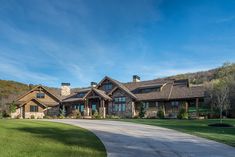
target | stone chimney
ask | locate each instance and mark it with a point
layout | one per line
(65, 89)
(93, 84)
(136, 78)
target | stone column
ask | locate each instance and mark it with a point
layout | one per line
(21, 112)
(102, 109)
(186, 106)
(86, 110)
(133, 109)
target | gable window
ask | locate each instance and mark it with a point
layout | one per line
(120, 104)
(40, 95)
(33, 108)
(107, 86)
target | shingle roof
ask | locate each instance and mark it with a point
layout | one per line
(120, 85)
(171, 89)
(102, 93)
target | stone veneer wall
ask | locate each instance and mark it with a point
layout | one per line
(129, 105)
(16, 114)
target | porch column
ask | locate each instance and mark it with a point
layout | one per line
(102, 109)
(87, 112)
(163, 108)
(197, 110)
(21, 112)
(186, 106)
(133, 109)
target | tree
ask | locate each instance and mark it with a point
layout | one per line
(221, 97)
(142, 110)
(12, 107)
(62, 112)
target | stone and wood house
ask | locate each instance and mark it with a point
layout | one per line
(111, 97)
(37, 102)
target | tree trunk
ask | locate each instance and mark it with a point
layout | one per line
(221, 116)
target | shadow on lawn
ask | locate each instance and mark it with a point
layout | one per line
(70, 137)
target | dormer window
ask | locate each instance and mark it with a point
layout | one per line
(40, 95)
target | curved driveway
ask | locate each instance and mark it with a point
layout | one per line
(123, 139)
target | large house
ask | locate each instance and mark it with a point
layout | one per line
(37, 102)
(111, 97)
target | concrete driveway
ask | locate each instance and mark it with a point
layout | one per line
(122, 139)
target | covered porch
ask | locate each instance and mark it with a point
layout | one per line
(94, 101)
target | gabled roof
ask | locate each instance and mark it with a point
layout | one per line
(33, 99)
(100, 93)
(170, 89)
(87, 91)
(119, 84)
(39, 86)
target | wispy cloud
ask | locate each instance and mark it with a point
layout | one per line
(225, 19)
(22, 73)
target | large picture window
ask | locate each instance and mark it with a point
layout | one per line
(33, 108)
(120, 104)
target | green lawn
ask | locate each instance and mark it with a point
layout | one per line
(195, 127)
(32, 138)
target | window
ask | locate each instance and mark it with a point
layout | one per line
(79, 107)
(40, 95)
(123, 107)
(175, 103)
(80, 95)
(108, 87)
(120, 104)
(33, 108)
(82, 108)
(146, 105)
(93, 106)
(120, 99)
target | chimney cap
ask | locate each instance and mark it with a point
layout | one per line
(93, 84)
(65, 84)
(136, 77)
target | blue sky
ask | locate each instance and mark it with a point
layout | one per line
(79, 41)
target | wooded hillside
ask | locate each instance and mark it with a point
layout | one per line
(9, 90)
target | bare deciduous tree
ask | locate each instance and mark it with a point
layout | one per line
(221, 97)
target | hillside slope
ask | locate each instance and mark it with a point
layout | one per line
(9, 90)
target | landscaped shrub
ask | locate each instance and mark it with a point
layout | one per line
(54, 117)
(142, 111)
(62, 112)
(1, 115)
(32, 117)
(47, 117)
(182, 114)
(112, 117)
(96, 115)
(61, 117)
(75, 114)
(160, 114)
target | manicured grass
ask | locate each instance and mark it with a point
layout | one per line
(195, 127)
(32, 138)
